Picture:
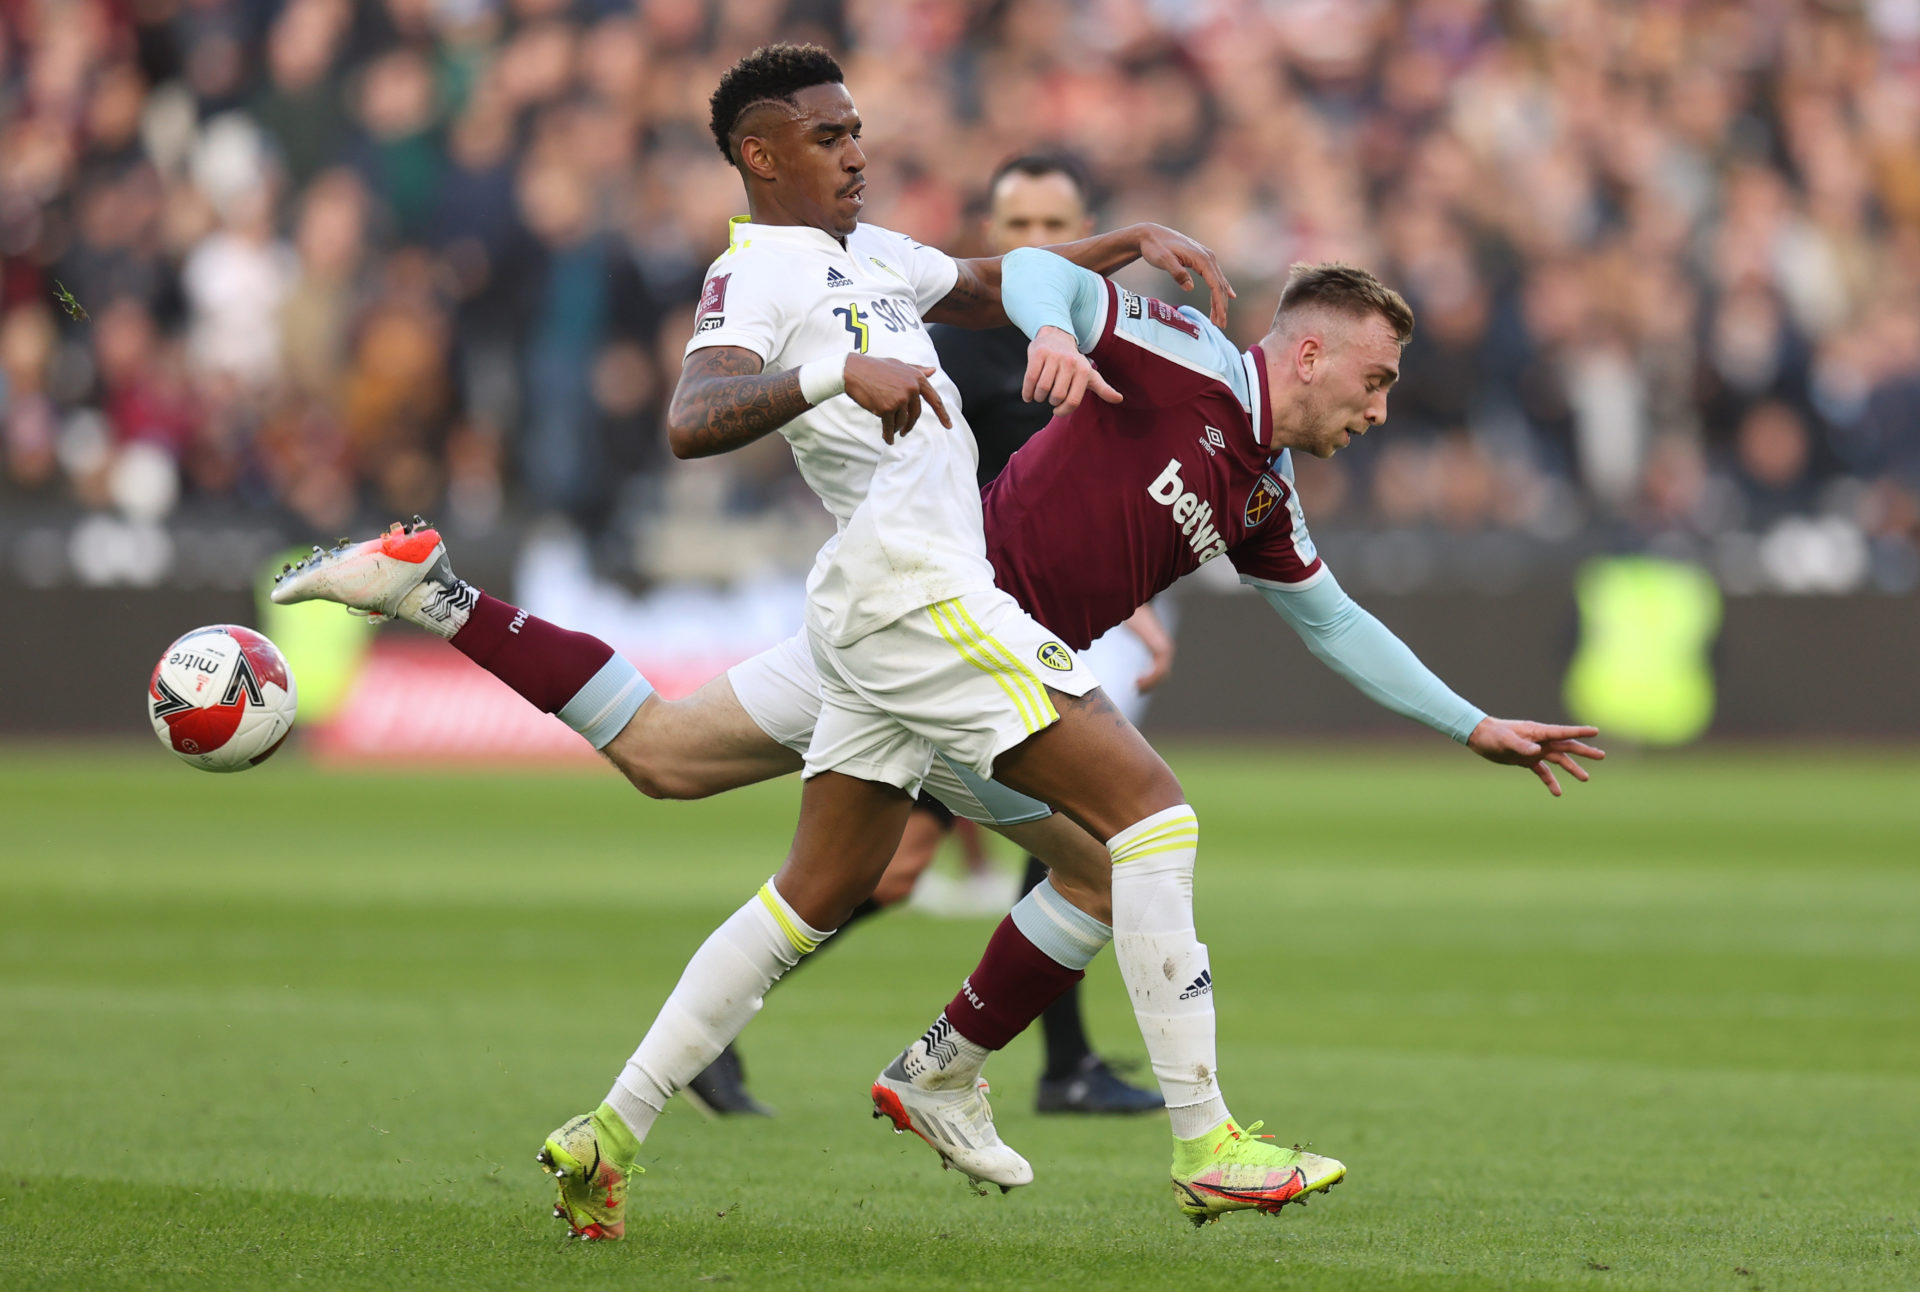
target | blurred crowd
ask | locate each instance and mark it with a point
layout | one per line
(341, 261)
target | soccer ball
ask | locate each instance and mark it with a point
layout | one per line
(222, 698)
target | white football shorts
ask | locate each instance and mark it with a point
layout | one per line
(967, 677)
(780, 690)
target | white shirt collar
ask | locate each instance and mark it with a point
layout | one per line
(741, 230)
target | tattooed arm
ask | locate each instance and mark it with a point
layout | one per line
(724, 402)
(975, 298)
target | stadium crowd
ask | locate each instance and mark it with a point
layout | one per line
(341, 261)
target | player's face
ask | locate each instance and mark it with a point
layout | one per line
(1348, 395)
(818, 162)
(1035, 211)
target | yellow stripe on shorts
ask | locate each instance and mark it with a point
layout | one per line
(979, 649)
(961, 640)
(1013, 662)
(801, 942)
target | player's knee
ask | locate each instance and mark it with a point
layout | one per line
(1164, 791)
(1152, 788)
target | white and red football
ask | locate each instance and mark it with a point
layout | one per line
(222, 698)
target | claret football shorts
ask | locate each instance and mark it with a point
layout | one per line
(780, 690)
(967, 677)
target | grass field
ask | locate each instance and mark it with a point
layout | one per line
(302, 1026)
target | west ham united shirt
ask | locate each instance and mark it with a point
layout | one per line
(1113, 503)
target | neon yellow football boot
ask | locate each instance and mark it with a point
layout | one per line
(591, 1159)
(1230, 1169)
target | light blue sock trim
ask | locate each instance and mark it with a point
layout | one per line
(1058, 927)
(607, 702)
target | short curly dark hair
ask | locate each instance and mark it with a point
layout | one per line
(772, 73)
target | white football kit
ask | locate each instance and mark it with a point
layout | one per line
(780, 690)
(916, 647)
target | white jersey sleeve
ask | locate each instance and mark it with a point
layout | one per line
(741, 305)
(930, 272)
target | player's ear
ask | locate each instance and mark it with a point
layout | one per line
(1308, 357)
(756, 157)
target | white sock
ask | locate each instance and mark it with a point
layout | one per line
(441, 602)
(941, 1059)
(716, 997)
(1164, 963)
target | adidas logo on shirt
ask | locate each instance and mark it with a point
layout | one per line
(837, 279)
(1199, 986)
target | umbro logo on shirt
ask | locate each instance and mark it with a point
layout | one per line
(1199, 986)
(837, 279)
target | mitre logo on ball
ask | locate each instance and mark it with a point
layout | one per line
(222, 698)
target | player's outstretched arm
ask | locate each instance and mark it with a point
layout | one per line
(1534, 745)
(975, 298)
(724, 401)
(1365, 652)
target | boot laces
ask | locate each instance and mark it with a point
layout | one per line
(1239, 1133)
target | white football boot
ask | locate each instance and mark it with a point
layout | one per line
(956, 1124)
(403, 574)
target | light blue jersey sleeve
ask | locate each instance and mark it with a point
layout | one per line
(1364, 651)
(1039, 289)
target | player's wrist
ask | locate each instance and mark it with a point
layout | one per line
(822, 379)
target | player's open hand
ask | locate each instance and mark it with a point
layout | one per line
(1182, 257)
(1535, 745)
(1058, 374)
(893, 391)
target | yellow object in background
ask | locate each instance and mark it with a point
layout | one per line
(1643, 670)
(324, 645)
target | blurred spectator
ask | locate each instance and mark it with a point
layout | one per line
(349, 259)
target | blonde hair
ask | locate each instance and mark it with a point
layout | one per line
(1348, 289)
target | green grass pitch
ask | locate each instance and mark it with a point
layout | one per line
(305, 1027)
